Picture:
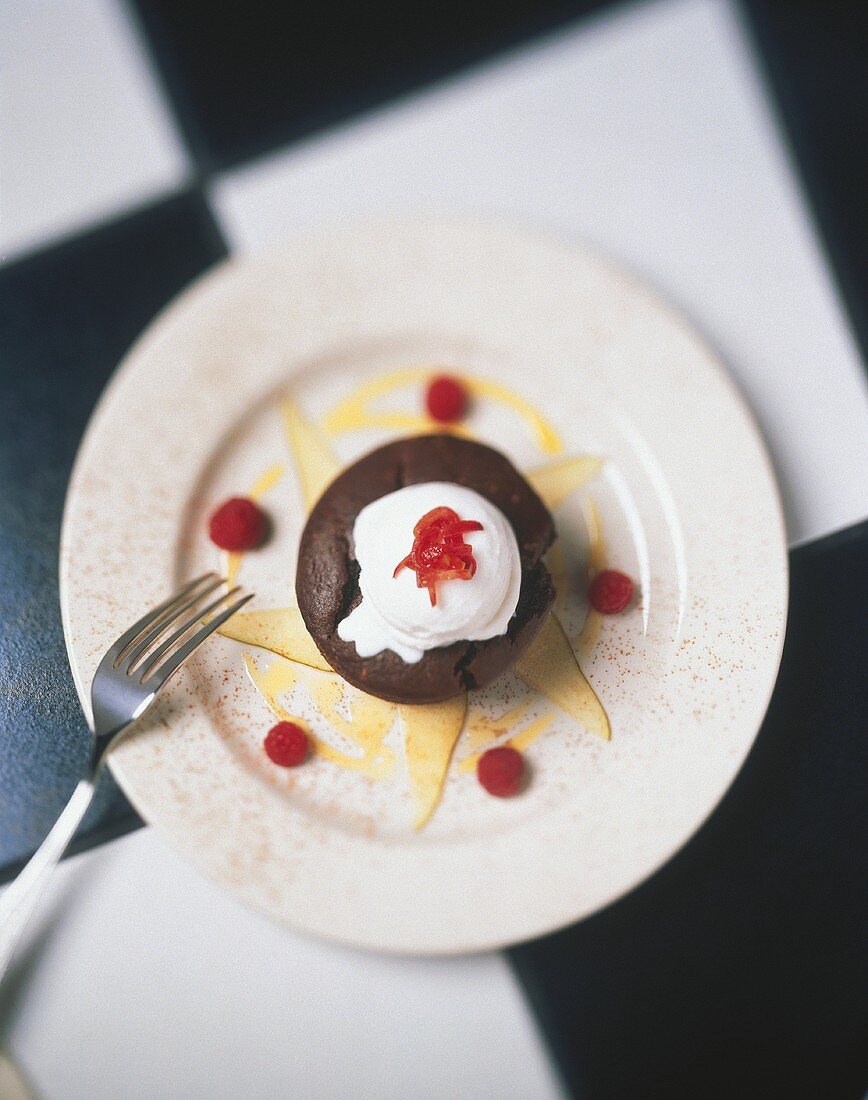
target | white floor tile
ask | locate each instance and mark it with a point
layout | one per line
(148, 983)
(84, 130)
(647, 132)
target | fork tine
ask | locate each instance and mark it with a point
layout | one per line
(165, 622)
(160, 675)
(153, 658)
(152, 616)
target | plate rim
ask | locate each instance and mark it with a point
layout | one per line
(242, 263)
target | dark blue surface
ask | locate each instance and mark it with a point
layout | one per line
(815, 55)
(247, 77)
(67, 315)
(741, 969)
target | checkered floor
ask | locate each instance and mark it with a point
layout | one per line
(695, 141)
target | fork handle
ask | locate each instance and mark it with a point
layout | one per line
(19, 898)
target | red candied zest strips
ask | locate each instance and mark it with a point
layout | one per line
(610, 592)
(439, 552)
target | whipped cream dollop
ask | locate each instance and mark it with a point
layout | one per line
(394, 613)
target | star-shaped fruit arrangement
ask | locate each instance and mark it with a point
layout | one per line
(363, 692)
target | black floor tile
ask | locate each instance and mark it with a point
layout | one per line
(816, 57)
(248, 77)
(741, 969)
(67, 315)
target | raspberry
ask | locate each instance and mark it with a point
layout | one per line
(610, 592)
(286, 744)
(501, 771)
(446, 399)
(238, 524)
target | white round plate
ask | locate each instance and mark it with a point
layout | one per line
(688, 506)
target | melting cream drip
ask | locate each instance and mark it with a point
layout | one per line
(430, 732)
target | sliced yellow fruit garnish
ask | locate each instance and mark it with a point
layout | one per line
(557, 480)
(268, 480)
(550, 667)
(317, 466)
(280, 631)
(430, 733)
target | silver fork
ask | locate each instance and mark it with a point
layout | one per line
(129, 676)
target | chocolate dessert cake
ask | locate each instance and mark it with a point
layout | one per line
(328, 575)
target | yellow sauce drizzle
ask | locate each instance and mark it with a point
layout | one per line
(268, 480)
(546, 436)
(483, 732)
(355, 411)
(531, 732)
(260, 487)
(366, 727)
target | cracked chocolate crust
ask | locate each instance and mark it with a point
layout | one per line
(327, 579)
